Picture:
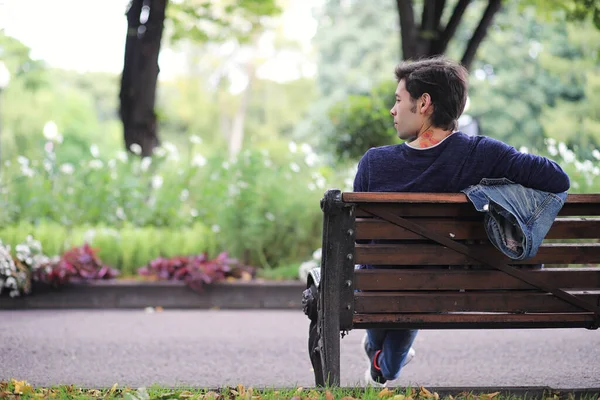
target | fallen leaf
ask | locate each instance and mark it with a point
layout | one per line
(385, 393)
(22, 387)
(159, 309)
(425, 393)
(186, 395)
(489, 395)
(348, 398)
(399, 397)
(329, 396)
(211, 395)
(296, 398)
(300, 389)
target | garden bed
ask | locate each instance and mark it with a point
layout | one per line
(136, 294)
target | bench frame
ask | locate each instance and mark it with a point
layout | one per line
(329, 300)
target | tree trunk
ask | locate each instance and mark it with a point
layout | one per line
(430, 38)
(145, 20)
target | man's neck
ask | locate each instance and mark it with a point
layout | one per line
(429, 138)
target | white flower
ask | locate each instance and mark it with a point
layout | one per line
(225, 165)
(270, 216)
(317, 254)
(596, 154)
(198, 160)
(157, 181)
(70, 190)
(135, 149)
(216, 228)
(295, 167)
(306, 149)
(194, 212)
(94, 151)
(310, 159)
(96, 164)
(170, 147)
(195, 139)
(268, 163)
(67, 169)
(122, 156)
(47, 165)
(524, 149)
(312, 187)
(120, 213)
(160, 152)
(112, 163)
(305, 269)
(552, 150)
(145, 164)
(293, 147)
(26, 171)
(23, 160)
(50, 130)
(185, 194)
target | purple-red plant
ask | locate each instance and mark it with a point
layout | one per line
(79, 263)
(197, 270)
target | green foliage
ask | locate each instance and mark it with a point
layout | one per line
(126, 249)
(264, 209)
(361, 122)
(574, 10)
(209, 21)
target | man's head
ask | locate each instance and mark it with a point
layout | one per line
(431, 93)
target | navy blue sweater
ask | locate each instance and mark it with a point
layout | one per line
(455, 164)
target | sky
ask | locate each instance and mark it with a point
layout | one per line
(81, 35)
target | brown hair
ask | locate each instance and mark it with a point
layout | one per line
(446, 83)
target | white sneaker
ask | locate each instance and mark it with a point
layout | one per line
(371, 370)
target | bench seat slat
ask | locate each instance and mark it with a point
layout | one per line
(442, 198)
(433, 254)
(473, 321)
(564, 228)
(471, 279)
(465, 210)
(482, 301)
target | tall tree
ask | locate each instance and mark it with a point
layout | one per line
(145, 22)
(431, 36)
(197, 20)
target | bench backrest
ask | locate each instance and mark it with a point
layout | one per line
(433, 286)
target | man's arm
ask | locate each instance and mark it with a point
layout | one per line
(532, 171)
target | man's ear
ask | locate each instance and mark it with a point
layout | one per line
(425, 104)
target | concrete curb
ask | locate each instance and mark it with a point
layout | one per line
(125, 294)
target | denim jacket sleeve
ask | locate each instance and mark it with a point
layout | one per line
(517, 219)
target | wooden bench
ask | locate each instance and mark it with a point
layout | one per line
(455, 290)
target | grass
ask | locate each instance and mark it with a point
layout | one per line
(22, 390)
(285, 272)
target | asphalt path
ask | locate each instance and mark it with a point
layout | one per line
(269, 349)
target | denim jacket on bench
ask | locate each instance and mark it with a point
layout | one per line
(517, 219)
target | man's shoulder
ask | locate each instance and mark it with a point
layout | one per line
(383, 151)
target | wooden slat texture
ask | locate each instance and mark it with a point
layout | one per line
(472, 279)
(563, 228)
(434, 254)
(473, 321)
(388, 197)
(482, 301)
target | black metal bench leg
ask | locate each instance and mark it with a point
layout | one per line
(310, 302)
(314, 351)
(329, 326)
